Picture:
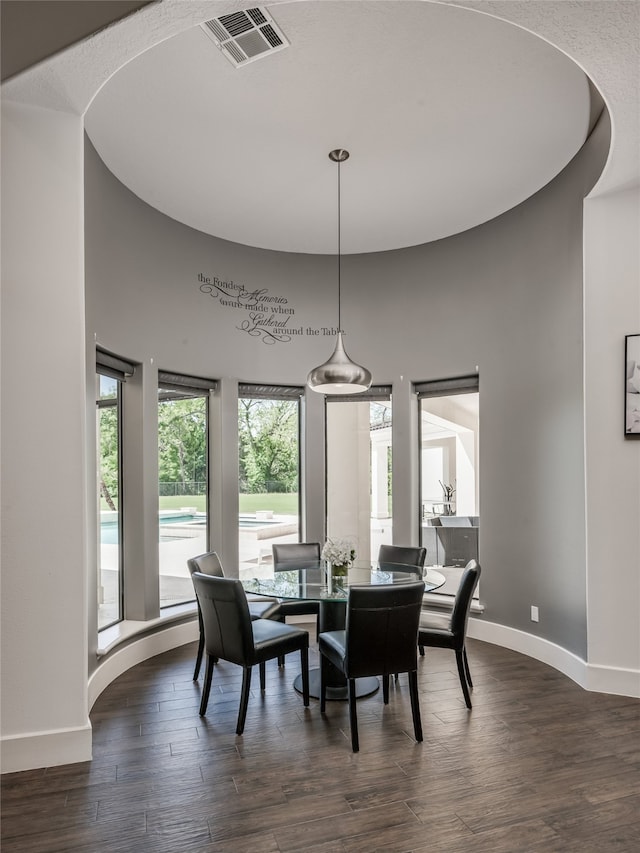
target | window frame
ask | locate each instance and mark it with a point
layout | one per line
(467, 384)
(177, 386)
(114, 367)
(291, 393)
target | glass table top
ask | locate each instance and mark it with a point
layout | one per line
(320, 581)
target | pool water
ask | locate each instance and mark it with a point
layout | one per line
(109, 534)
(109, 529)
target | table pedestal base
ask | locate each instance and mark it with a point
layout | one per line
(364, 687)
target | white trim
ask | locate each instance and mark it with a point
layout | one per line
(69, 746)
(599, 679)
(122, 631)
(46, 749)
(137, 651)
(614, 680)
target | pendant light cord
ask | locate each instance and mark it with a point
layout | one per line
(339, 256)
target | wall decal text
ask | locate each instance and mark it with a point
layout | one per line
(264, 315)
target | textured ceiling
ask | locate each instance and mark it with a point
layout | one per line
(451, 118)
(34, 31)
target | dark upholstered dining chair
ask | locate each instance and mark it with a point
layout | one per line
(380, 638)
(288, 555)
(231, 635)
(406, 555)
(210, 564)
(449, 631)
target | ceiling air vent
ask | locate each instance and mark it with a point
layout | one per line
(246, 36)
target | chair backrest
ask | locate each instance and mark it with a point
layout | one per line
(462, 603)
(303, 554)
(206, 564)
(225, 617)
(382, 628)
(404, 554)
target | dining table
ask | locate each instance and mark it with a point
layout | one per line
(329, 586)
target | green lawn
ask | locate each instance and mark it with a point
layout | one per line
(281, 504)
(178, 501)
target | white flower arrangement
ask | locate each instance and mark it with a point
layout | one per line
(338, 552)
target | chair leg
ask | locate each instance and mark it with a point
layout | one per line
(304, 665)
(263, 676)
(421, 650)
(282, 619)
(463, 678)
(385, 688)
(244, 699)
(196, 671)
(467, 671)
(353, 715)
(415, 705)
(323, 683)
(206, 687)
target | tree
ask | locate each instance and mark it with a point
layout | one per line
(268, 445)
(109, 456)
(182, 440)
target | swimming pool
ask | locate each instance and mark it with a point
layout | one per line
(109, 533)
(109, 529)
(244, 521)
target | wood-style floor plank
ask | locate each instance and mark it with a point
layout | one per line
(538, 766)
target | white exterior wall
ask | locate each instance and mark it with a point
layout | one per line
(348, 475)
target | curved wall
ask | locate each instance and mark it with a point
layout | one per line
(505, 297)
(43, 329)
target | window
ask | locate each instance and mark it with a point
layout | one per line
(112, 372)
(448, 431)
(359, 459)
(269, 472)
(183, 477)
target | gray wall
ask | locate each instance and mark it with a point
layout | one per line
(505, 297)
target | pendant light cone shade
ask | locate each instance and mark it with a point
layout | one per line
(339, 375)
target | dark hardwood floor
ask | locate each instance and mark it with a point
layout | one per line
(537, 765)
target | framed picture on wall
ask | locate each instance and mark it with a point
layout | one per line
(632, 386)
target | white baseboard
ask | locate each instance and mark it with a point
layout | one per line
(611, 679)
(598, 679)
(144, 647)
(69, 746)
(46, 749)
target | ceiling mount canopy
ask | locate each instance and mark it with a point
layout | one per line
(339, 375)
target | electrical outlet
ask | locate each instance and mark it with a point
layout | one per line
(535, 616)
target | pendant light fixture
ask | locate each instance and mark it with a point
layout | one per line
(339, 375)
